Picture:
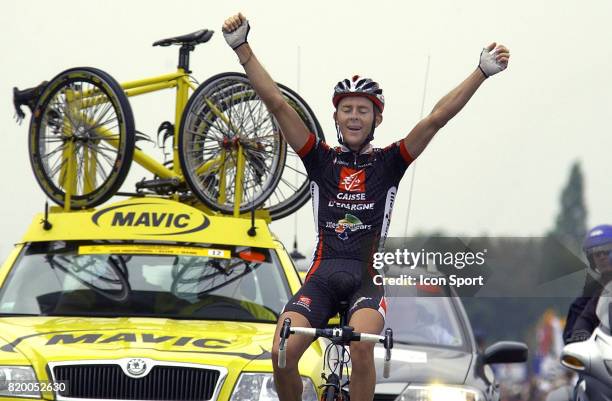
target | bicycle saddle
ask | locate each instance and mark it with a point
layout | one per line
(195, 38)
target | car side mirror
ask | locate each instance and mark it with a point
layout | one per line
(506, 352)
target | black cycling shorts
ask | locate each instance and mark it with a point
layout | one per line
(331, 281)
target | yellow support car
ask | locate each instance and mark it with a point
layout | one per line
(145, 299)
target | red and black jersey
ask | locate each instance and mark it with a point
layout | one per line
(352, 197)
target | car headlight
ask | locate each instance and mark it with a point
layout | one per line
(260, 386)
(14, 382)
(438, 392)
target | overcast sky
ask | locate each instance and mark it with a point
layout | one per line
(497, 168)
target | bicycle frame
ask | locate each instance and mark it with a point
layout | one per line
(180, 81)
(336, 379)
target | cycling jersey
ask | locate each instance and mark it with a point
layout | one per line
(352, 196)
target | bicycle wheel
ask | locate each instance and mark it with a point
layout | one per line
(81, 137)
(223, 116)
(223, 111)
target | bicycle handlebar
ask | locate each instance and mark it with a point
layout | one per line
(26, 97)
(340, 335)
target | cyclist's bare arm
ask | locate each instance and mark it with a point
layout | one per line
(293, 128)
(490, 63)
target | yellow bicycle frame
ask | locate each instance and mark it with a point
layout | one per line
(180, 81)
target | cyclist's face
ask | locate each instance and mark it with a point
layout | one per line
(355, 116)
(602, 261)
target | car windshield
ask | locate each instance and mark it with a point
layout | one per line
(153, 280)
(424, 317)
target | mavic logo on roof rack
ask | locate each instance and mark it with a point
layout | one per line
(150, 219)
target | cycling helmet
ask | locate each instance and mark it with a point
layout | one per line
(598, 239)
(358, 86)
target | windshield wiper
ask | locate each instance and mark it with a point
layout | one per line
(4, 314)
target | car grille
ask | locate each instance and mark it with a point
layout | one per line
(162, 383)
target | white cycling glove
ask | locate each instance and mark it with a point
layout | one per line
(488, 65)
(238, 37)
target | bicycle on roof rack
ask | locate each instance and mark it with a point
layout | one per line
(228, 152)
(335, 386)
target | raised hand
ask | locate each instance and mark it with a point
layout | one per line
(493, 59)
(235, 30)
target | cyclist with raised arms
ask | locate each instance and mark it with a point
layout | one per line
(353, 188)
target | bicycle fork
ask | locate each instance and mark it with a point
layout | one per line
(332, 389)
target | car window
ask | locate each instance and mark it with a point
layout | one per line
(218, 283)
(424, 318)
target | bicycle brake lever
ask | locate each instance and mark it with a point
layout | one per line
(282, 355)
(388, 346)
(284, 334)
(388, 338)
(387, 367)
(286, 329)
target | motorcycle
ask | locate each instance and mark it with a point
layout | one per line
(591, 359)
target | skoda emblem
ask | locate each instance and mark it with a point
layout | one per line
(136, 367)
